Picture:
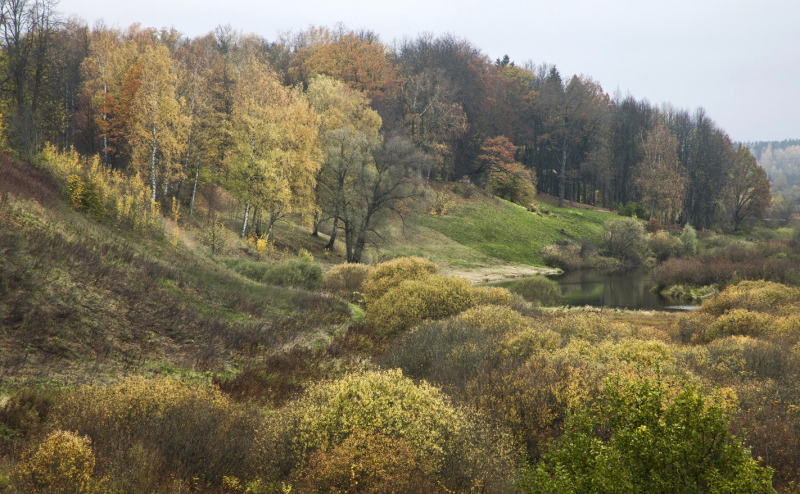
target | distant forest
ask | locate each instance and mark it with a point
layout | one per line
(161, 104)
(781, 160)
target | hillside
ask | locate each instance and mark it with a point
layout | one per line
(478, 230)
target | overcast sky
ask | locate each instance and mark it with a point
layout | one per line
(740, 59)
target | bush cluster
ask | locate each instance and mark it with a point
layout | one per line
(539, 290)
(347, 281)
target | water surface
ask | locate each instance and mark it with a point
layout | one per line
(627, 290)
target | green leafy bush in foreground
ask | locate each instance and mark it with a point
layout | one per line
(638, 439)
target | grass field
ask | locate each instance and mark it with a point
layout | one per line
(484, 229)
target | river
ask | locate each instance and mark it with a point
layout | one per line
(627, 290)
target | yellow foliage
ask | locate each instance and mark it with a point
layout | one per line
(491, 296)
(388, 275)
(752, 295)
(378, 403)
(417, 300)
(62, 464)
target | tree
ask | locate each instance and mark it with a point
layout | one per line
(158, 125)
(658, 178)
(749, 194)
(573, 114)
(642, 437)
(349, 132)
(506, 178)
(380, 187)
(274, 158)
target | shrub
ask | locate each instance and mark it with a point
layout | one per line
(663, 245)
(567, 257)
(247, 268)
(625, 239)
(689, 240)
(376, 403)
(736, 322)
(638, 439)
(390, 274)
(752, 295)
(632, 209)
(688, 326)
(653, 226)
(367, 463)
(539, 290)
(297, 273)
(162, 424)
(491, 296)
(414, 301)
(347, 280)
(63, 463)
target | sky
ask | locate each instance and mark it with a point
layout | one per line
(739, 59)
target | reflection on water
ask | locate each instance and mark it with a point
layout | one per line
(630, 290)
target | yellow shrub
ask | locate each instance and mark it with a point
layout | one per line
(378, 403)
(347, 280)
(736, 322)
(367, 463)
(752, 295)
(414, 301)
(194, 428)
(493, 319)
(689, 325)
(530, 343)
(63, 463)
(388, 275)
(491, 296)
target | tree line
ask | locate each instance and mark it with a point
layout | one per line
(337, 126)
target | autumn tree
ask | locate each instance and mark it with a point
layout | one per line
(274, 158)
(658, 178)
(749, 190)
(158, 124)
(506, 178)
(348, 134)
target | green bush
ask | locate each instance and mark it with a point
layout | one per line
(539, 290)
(251, 269)
(389, 274)
(414, 301)
(663, 245)
(297, 273)
(347, 280)
(689, 240)
(632, 209)
(491, 296)
(625, 239)
(638, 439)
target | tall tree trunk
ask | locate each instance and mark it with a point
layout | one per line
(194, 189)
(562, 177)
(334, 232)
(246, 217)
(153, 162)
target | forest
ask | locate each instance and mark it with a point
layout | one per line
(233, 264)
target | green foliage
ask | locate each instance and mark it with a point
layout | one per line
(633, 210)
(663, 245)
(297, 273)
(625, 239)
(414, 301)
(689, 240)
(638, 438)
(539, 290)
(255, 270)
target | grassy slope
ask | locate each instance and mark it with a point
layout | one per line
(84, 301)
(484, 229)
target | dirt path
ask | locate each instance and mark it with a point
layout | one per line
(494, 274)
